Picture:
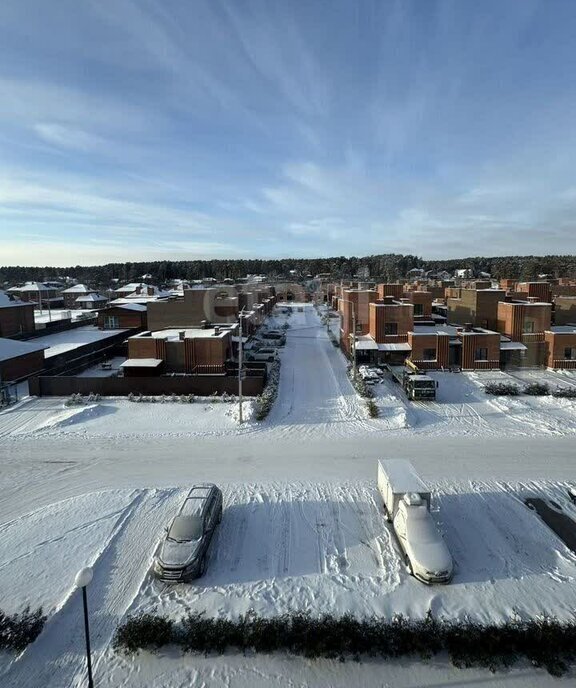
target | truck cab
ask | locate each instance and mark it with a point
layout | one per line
(418, 386)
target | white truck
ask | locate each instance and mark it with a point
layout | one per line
(407, 506)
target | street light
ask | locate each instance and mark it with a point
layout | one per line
(83, 579)
(240, 364)
(353, 335)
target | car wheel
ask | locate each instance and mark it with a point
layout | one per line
(202, 569)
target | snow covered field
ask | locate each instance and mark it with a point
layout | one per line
(303, 527)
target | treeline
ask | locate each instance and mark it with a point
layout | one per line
(385, 267)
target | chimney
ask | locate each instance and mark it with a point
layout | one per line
(182, 335)
(216, 330)
(467, 327)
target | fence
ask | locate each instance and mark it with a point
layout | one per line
(201, 385)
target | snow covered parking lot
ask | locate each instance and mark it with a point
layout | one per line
(281, 547)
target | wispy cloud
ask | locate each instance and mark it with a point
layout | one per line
(271, 128)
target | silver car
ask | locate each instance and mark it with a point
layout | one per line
(182, 552)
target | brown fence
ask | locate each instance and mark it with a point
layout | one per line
(202, 385)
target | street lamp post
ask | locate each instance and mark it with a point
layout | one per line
(83, 579)
(240, 363)
(353, 335)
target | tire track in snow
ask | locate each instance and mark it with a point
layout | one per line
(56, 659)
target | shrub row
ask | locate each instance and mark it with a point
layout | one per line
(545, 641)
(534, 389)
(79, 400)
(265, 401)
(214, 398)
(19, 630)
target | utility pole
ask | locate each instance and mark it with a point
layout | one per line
(240, 362)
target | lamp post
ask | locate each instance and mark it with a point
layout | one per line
(240, 363)
(83, 579)
(353, 335)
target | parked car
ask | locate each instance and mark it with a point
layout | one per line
(262, 354)
(369, 375)
(407, 506)
(181, 556)
(425, 553)
(273, 337)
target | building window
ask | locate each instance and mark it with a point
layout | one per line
(111, 322)
(418, 309)
(570, 353)
(528, 327)
(481, 354)
(429, 355)
(390, 328)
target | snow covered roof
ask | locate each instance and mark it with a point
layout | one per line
(6, 302)
(129, 306)
(512, 346)
(92, 297)
(562, 329)
(132, 286)
(141, 363)
(400, 346)
(78, 289)
(366, 344)
(9, 348)
(31, 286)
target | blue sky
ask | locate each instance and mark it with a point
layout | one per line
(183, 129)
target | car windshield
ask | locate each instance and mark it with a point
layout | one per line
(185, 529)
(421, 529)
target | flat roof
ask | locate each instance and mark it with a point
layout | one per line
(562, 329)
(400, 346)
(141, 363)
(10, 348)
(173, 334)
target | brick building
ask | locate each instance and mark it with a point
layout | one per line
(71, 295)
(192, 350)
(478, 307)
(526, 322)
(16, 317)
(38, 293)
(20, 359)
(213, 305)
(123, 317)
(560, 343)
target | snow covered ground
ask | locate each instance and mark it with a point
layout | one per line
(281, 547)
(303, 528)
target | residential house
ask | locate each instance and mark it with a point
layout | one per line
(478, 307)
(213, 305)
(525, 322)
(561, 347)
(16, 317)
(19, 360)
(72, 294)
(199, 351)
(123, 317)
(41, 294)
(91, 301)
(564, 310)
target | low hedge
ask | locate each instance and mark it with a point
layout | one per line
(19, 630)
(502, 389)
(372, 408)
(544, 641)
(565, 392)
(537, 389)
(265, 401)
